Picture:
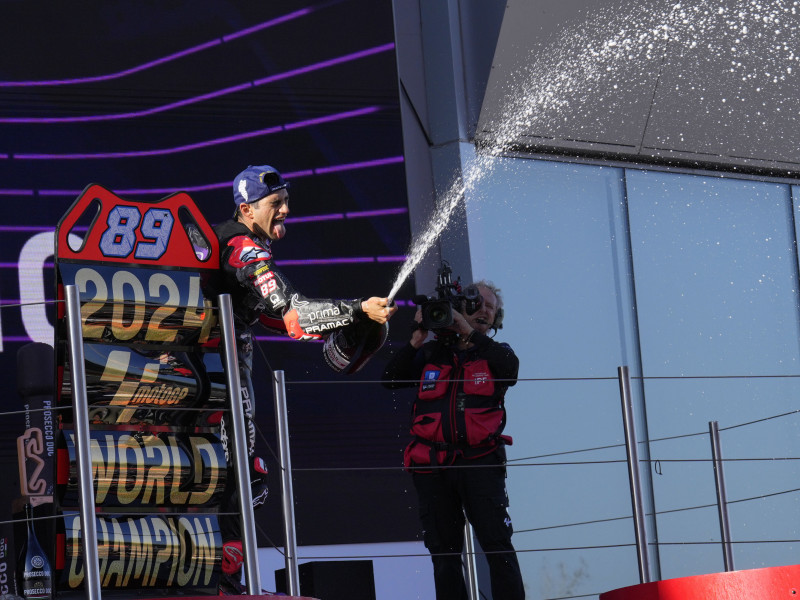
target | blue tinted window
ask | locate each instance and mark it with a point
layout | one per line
(689, 280)
(553, 237)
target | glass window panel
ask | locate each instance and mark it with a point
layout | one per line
(715, 274)
(553, 237)
(715, 270)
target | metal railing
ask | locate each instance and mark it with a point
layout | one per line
(633, 463)
(89, 542)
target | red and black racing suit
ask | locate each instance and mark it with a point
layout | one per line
(261, 294)
(457, 423)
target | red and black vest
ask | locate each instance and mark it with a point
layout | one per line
(459, 410)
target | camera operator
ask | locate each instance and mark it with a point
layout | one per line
(457, 457)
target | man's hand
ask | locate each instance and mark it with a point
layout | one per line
(378, 309)
(460, 325)
(420, 334)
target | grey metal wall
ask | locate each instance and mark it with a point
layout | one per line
(701, 83)
(444, 51)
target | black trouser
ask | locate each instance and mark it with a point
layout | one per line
(475, 487)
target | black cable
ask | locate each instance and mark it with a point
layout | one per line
(660, 512)
(261, 351)
(662, 439)
(260, 433)
(264, 356)
(555, 464)
(793, 412)
(273, 544)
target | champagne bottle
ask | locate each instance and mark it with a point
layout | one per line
(37, 577)
(348, 349)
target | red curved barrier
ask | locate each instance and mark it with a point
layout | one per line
(752, 584)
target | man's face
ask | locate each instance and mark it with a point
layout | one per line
(268, 214)
(481, 320)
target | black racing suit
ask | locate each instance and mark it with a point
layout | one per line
(457, 456)
(261, 294)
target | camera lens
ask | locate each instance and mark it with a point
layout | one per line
(437, 314)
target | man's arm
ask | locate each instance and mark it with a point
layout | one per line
(275, 298)
(402, 370)
(501, 358)
(405, 368)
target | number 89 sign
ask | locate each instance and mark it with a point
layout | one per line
(101, 227)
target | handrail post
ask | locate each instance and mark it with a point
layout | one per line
(287, 494)
(473, 591)
(240, 455)
(722, 496)
(631, 445)
(80, 403)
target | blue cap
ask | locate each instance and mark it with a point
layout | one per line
(256, 182)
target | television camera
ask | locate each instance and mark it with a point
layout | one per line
(437, 312)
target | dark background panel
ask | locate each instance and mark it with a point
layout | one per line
(328, 60)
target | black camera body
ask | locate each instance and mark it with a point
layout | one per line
(437, 312)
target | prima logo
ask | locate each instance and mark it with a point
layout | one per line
(325, 314)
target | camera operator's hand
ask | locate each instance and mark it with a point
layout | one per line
(460, 325)
(378, 309)
(420, 334)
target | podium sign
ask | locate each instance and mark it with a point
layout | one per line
(155, 385)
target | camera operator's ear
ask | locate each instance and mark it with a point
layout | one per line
(498, 320)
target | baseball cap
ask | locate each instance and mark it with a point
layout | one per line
(256, 182)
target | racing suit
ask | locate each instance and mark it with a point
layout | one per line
(261, 294)
(458, 419)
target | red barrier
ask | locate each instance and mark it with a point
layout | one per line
(752, 584)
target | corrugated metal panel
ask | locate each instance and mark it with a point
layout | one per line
(706, 82)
